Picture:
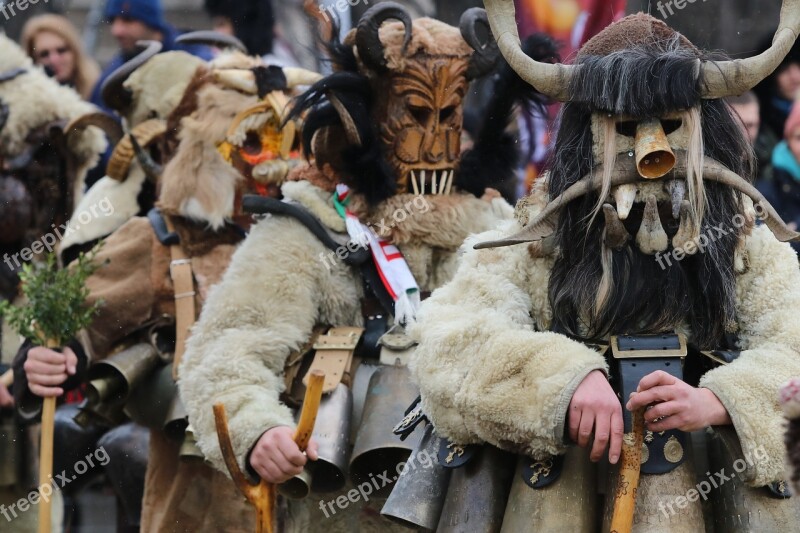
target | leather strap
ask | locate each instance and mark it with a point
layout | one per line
(334, 356)
(295, 360)
(180, 270)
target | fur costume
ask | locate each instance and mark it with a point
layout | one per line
(200, 193)
(491, 367)
(47, 144)
(280, 285)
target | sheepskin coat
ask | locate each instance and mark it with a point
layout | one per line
(490, 371)
(135, 287)
(280, 285)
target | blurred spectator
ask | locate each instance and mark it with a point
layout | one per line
(251, 21)
(784, 190)
(776, 94)
(53, 42)
(748, 109)
(135, 20)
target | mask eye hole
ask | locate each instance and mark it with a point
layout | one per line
(421, 114)
(671, 125)
(627, 128)
(252, 144)
(446, 113)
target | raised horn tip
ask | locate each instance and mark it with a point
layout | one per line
(502, 243)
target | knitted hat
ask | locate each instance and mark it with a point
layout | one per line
(148, 12)
(793, 122)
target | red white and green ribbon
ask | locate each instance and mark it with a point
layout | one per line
(392, 266)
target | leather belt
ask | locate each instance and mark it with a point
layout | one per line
(334, 356)
(636, 356)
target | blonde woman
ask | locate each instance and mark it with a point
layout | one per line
(53, 43)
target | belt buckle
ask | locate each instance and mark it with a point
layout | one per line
(669, 349)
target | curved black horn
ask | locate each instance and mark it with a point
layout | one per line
(486, 54)
(151, 169)
(368, 41)
(114, 94)
(212, 38)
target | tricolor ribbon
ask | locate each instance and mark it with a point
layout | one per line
(389, 261)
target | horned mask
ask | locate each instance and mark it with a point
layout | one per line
(398, 101)
(645, 86)
(648, 162)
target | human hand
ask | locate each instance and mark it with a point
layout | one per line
(47, 369)
(676, 405)
(276, 456)
(596, 410)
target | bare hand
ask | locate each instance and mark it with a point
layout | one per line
(47, 369)
(596, 410)
(6, 400)
(677, 405)
(277, 458)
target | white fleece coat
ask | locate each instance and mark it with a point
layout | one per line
(489, 371)
(280, 284)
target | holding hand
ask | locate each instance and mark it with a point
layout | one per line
(676, 405)
(595, 417)
(47, 369)
(276, 456)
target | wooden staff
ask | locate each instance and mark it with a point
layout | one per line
(7, 378)
(628, 480)
(46, 455)
(262, 495)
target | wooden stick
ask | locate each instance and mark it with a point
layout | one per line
(46, 456)
(7, 379)
(262, 495)
(628, 480)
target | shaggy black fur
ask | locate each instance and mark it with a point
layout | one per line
(365, 167)
(645, 299)
(490, 163)
(495, 156)
(639, 82)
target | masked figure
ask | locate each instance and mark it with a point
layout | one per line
(223, 138)
(635, 279)
(48, 141)
(365, 231)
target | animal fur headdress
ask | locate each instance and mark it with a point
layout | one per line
(31, 100)
(646, 159)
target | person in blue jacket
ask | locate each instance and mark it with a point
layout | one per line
(135, 20)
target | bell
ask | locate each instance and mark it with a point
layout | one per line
(478, 492)
(177, 420)
(115, 377)
(189, 449)
(150, 403)
(418, 496)
(72, 443)
(363, 374)
(331, 432)
(568, 504)
(101, 414)
(377, 450)
(654, 157)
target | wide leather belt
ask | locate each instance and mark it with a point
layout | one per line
(334, 356)
(634, 357)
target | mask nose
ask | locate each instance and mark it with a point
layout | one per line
(654, 157)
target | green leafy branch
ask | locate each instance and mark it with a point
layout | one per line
(56, 306)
